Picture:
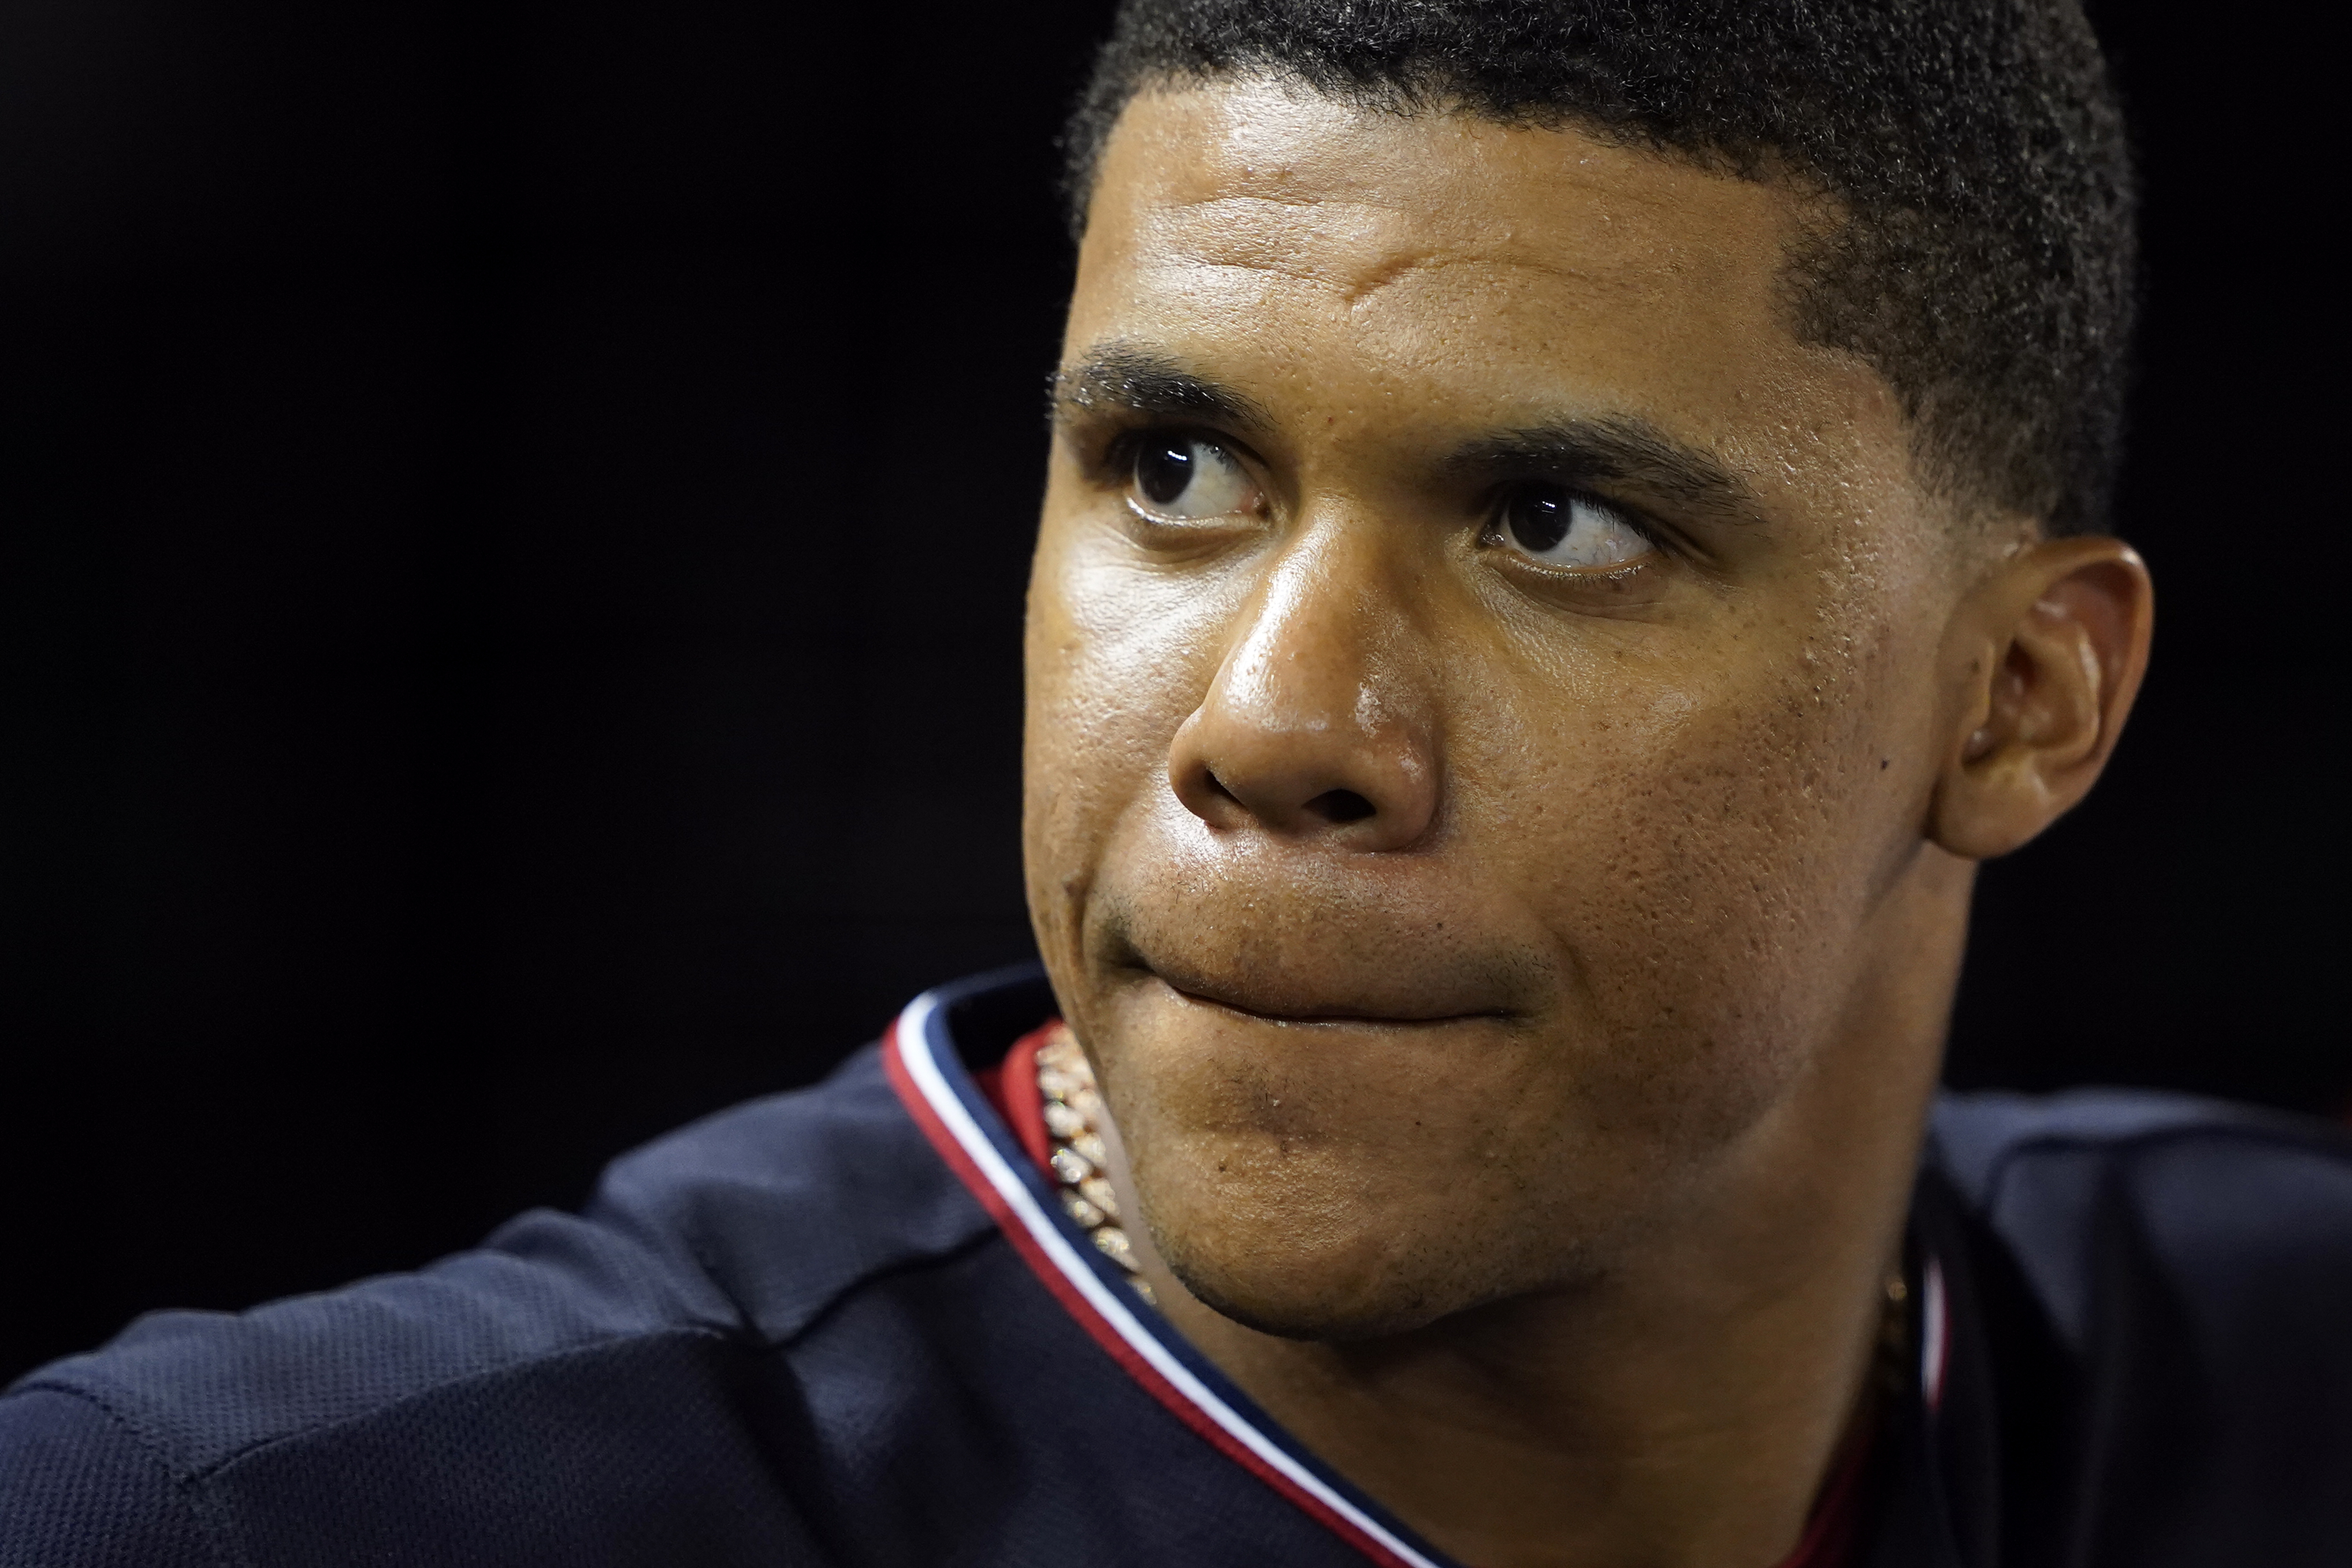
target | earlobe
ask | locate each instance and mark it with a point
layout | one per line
(2041, 666)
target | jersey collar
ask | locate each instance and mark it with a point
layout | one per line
(930, 1052)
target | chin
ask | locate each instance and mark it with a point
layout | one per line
(1308, 1260)
(1293, 1308)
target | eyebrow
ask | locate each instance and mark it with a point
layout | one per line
(1621, 448)
(1129, 380)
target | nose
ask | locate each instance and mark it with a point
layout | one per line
(1318, 723)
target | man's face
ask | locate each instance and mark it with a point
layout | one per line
(1482, 696)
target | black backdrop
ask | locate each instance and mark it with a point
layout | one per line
(512, 521)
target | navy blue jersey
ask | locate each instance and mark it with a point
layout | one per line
(852, 1326)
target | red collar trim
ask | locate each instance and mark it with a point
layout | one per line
(1011, 1087)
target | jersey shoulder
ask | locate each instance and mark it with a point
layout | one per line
(2193, 1261)
(2244, 1213)
(727, 1236)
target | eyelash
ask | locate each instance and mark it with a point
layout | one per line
(1650, 532)
(1117, 458)
(1117, 464)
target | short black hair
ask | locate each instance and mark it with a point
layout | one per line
(1982, 258)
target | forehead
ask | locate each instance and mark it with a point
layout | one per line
(1440, 263)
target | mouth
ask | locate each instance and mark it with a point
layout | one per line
(1287, 1006)
(1323, 953)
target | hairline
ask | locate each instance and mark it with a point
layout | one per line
(1819, 218)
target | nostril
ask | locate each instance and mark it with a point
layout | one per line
(1338, 806)
(1217, 785)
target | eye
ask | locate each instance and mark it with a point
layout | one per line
(1186, 477)
(1554, 525)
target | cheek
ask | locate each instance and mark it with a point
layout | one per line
(1117, 657)
(1705, 854)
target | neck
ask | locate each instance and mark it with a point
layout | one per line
(1684, 1405)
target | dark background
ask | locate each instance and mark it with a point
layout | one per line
(512, 521)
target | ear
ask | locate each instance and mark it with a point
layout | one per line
(2041, 666)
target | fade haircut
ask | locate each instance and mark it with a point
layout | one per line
(1964, 161)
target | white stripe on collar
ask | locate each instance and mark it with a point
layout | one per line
(918, 1038)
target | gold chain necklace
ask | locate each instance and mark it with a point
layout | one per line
(1065, 1081)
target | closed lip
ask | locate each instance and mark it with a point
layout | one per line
(1282, 1005)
